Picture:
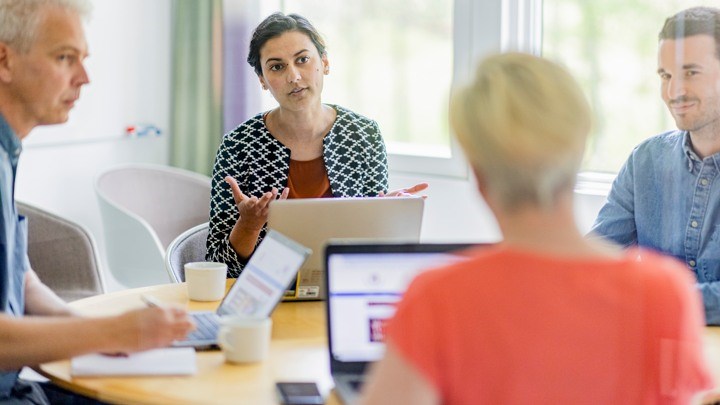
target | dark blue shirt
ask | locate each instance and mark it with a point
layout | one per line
(13, 240)
(668, 199)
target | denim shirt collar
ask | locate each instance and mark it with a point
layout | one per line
(693, 158)
(9, 141)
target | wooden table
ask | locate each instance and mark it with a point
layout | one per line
(711, 343)
(298, 352)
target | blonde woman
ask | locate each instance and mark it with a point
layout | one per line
(546, 315)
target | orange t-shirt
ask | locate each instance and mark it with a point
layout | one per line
(508, 327)
(308, 179)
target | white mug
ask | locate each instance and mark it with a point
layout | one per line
(245, 340)
(205, 280)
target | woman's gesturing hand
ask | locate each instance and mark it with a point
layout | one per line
(406, 192)
(253, 216)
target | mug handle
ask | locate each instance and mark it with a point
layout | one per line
(222, 339)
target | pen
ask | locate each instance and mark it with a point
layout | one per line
(151, 301)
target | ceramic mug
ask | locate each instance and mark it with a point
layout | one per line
(245, 340)
(205, 280)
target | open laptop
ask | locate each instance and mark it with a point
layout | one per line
(364, 284)
(313, 221)
(256, 292)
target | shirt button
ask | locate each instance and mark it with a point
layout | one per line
(694, 224)
(692, 263)
(704, 182)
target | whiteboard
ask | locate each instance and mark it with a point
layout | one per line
(129, 69)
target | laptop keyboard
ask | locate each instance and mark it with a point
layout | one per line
(206, 324)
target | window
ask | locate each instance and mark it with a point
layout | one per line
(394, 62)
(391, 61)
(610, 46)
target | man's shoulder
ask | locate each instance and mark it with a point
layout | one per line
(669, 140)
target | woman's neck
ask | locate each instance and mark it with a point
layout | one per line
(302, 126)
(550, 231)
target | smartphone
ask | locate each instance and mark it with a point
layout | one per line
(299, 393)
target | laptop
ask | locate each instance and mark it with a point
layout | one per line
(256, 292)
(313, 221)
(364, 284)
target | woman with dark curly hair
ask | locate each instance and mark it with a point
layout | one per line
(300, 149)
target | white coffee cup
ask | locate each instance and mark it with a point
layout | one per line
(205, 280)
(245, 340)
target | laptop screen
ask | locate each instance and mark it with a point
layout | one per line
(397, 219)
(365, 283)
(263, 281)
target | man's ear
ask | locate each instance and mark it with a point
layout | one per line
(6, 62)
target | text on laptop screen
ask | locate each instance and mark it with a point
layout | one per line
(363, 292)
(265, 277)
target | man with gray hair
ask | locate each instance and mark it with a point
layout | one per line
(667, 195)
(42, 52)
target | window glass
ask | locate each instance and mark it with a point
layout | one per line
(610, 46)
(390, 61)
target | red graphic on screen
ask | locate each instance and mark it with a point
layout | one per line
(377, 329)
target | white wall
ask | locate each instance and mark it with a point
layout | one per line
(129, 66)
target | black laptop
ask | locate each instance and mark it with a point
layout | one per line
(364, 283)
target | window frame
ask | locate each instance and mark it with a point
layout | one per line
(523, 31)
(481, 28)
(477, 30)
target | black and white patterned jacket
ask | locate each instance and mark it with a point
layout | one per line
(355, 159)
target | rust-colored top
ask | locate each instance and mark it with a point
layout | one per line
(308, 179)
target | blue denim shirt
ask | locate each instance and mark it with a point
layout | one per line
(13, 240)
(668, 199)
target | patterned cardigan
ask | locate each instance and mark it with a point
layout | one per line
(355, 159)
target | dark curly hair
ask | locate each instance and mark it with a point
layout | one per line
(275, 25)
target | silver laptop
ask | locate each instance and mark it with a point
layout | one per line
(313, 221)
(256, 292)
(364, 284)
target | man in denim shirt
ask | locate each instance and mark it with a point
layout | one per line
(667, 195)
(42, 51)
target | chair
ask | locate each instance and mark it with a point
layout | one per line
(63, 254)
(144, 208)
(186, 248)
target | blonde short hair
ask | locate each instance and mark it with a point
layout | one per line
(522, 123)
(19, 19)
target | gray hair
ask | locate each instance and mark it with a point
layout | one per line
(19, 19)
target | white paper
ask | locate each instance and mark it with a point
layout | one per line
(167, 361)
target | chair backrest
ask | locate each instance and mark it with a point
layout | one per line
(188, 247)
(144, 208)
(63, 254)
